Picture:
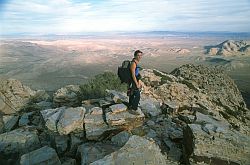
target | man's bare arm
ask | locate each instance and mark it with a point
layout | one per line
(132, 70)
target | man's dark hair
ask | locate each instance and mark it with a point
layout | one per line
(137, 52)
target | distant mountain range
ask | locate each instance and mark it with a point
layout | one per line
(232, 35)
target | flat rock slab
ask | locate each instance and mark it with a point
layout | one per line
(150, 107)
(71, 120)
(41, 156)
(118, 108)
(124, 118)
(121, 138)
(9, 122)
(117, 97)
(51, 117)
(95, 126)
(90, 152)
(64, 120)
(19, 140)
(137, 150)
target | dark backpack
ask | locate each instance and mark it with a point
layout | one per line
(124, 72)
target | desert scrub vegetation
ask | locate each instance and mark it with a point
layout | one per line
(95, 88)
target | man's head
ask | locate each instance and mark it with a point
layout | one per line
(138, 55)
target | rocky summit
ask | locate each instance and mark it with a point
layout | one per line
(193, 115)
(229, 48)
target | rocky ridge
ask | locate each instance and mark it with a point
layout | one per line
(194, 115)
(229, 48)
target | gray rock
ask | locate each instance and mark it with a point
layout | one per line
(19, 141)
(64, 120)
(96, 111)
(187, 118)
(118, 108)
(140, 131)
(90, 152)
(136, 151)
(40, 95)
(209, 128)
(124, 118)
(176, 134)
(121, 138)
(71, 120)
(13, 96)
(150, 107)
(44, 105)
(51, 117)
(229, 147)
(151, 134)
(67, 96)
(117, 97)
(170, 107)
(61, 143)
(41, 156)
(24, 120)
(174, 153)
(104, 103)
(9, 122)
(95, 126)
(75, 141)
(207, 119)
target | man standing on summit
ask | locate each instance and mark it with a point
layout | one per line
(135, 87)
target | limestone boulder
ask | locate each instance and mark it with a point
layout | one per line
(64, 120)
(43, 156)
(71, 120)
(150, 107)
(137, 150)
(124, 119)
(117, 108)
(13, 96)
(40, 95)
(19, 141)
(25, 119)
(95, 125)
(67, 96)
(61, 143)
(51, 117)
(90, 152)
(9, 122)
(121, 138)
(117, 97)
(44, 105)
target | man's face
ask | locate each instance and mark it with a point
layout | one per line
(139, 56)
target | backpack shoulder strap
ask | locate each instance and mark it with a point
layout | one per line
(134, 61)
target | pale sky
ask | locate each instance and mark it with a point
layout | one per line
(79, 16)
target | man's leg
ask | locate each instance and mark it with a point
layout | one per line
(135, 99)
(130, 101)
